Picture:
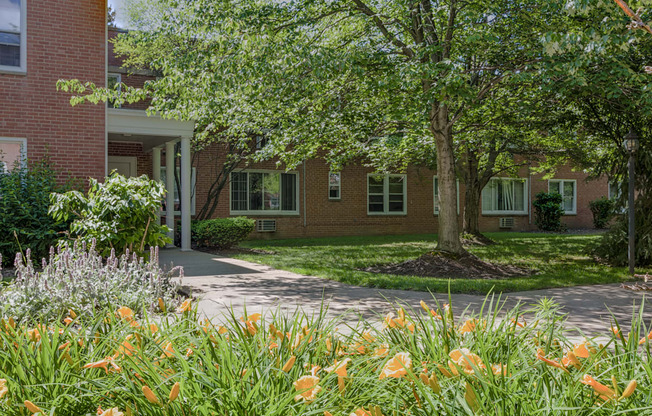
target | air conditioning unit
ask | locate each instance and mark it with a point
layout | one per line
(506, 222)
(266, 226)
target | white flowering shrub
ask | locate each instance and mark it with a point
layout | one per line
(78, 278)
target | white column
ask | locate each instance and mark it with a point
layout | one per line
(156, 171)
(169, 186)
(186, 172)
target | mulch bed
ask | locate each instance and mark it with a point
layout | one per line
(443, 265)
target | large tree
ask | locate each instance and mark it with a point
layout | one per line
(353, 79)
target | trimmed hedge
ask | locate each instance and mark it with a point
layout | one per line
(548, 211)
(603, 212)
(222, 232)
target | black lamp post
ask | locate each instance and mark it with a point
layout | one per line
(631, 145)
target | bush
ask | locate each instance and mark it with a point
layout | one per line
(119, 214)
(222, 233)
(603, 211)
(614, 245)
(24, 202)
(421, 363)
(548, 211)
(78, 278)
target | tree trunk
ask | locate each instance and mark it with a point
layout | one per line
(472, 208)
(449, 234)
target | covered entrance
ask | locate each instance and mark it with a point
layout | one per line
(135, 140)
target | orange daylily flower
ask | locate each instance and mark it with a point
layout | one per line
(251, 318)
(642, 340)
(381, 351)
(161, 304)
(125, 313)
(3, 388)
(541, 356)
(465, 359)
(153, 328)
(499, 369)
(397, 322)
(605, 392)
(149, 395)
(174, 393)
(168, 350)
(307, 387)
(186, 306)
(68, 320)
(32, 407)
(111, 412)
(397, 366)
(103, 364)
(338, 368)
(289, 364)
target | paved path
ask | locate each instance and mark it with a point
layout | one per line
(223, 282)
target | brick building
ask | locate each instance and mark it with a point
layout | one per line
(40, 44)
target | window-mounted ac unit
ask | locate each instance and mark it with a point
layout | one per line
(266, 226)
(506, 222)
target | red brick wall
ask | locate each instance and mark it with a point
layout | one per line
(348, 216)
(144, 160)
(66, 40)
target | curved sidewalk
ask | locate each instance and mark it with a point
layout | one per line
(222, 283)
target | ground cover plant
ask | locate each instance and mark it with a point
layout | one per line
(560, 260)
(421, 362)
(77, 278)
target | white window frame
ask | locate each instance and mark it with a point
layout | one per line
(263, 213)
(386, 194)
(434, 195)
(193, 182)
(526, 204)
(22, 69)
(23, 151)
(561, 187)
(119, 78)
(339, 186)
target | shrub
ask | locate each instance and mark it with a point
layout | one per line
(24, 220)
(420, 364)
(603, 211)
(613, 247)
(78, 278)
(222, 232)
(119, 214)
(548, 211)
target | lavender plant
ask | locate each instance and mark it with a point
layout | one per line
(78, 278)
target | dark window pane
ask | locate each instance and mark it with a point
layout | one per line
(289, 192)
(255, 191)
(376, 203)
(9, 55)
(239, 191)
(271, 191)
(334, 192)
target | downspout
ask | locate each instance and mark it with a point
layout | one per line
(106, 76)
(529, 193)
(305, 221)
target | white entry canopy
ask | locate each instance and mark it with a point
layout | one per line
(153, 132)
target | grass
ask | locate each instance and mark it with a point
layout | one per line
(560, 261)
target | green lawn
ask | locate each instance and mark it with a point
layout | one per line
(561, 260)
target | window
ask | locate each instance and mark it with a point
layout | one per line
(505, 196)
(12, 36)
(111, 82)
(386, 194)
(568, 191)
(334, 185)
(261, 141)
(177, 200)
(257, 192)
(12, 151)
(435, 192)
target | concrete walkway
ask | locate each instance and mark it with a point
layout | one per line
(221, 283)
